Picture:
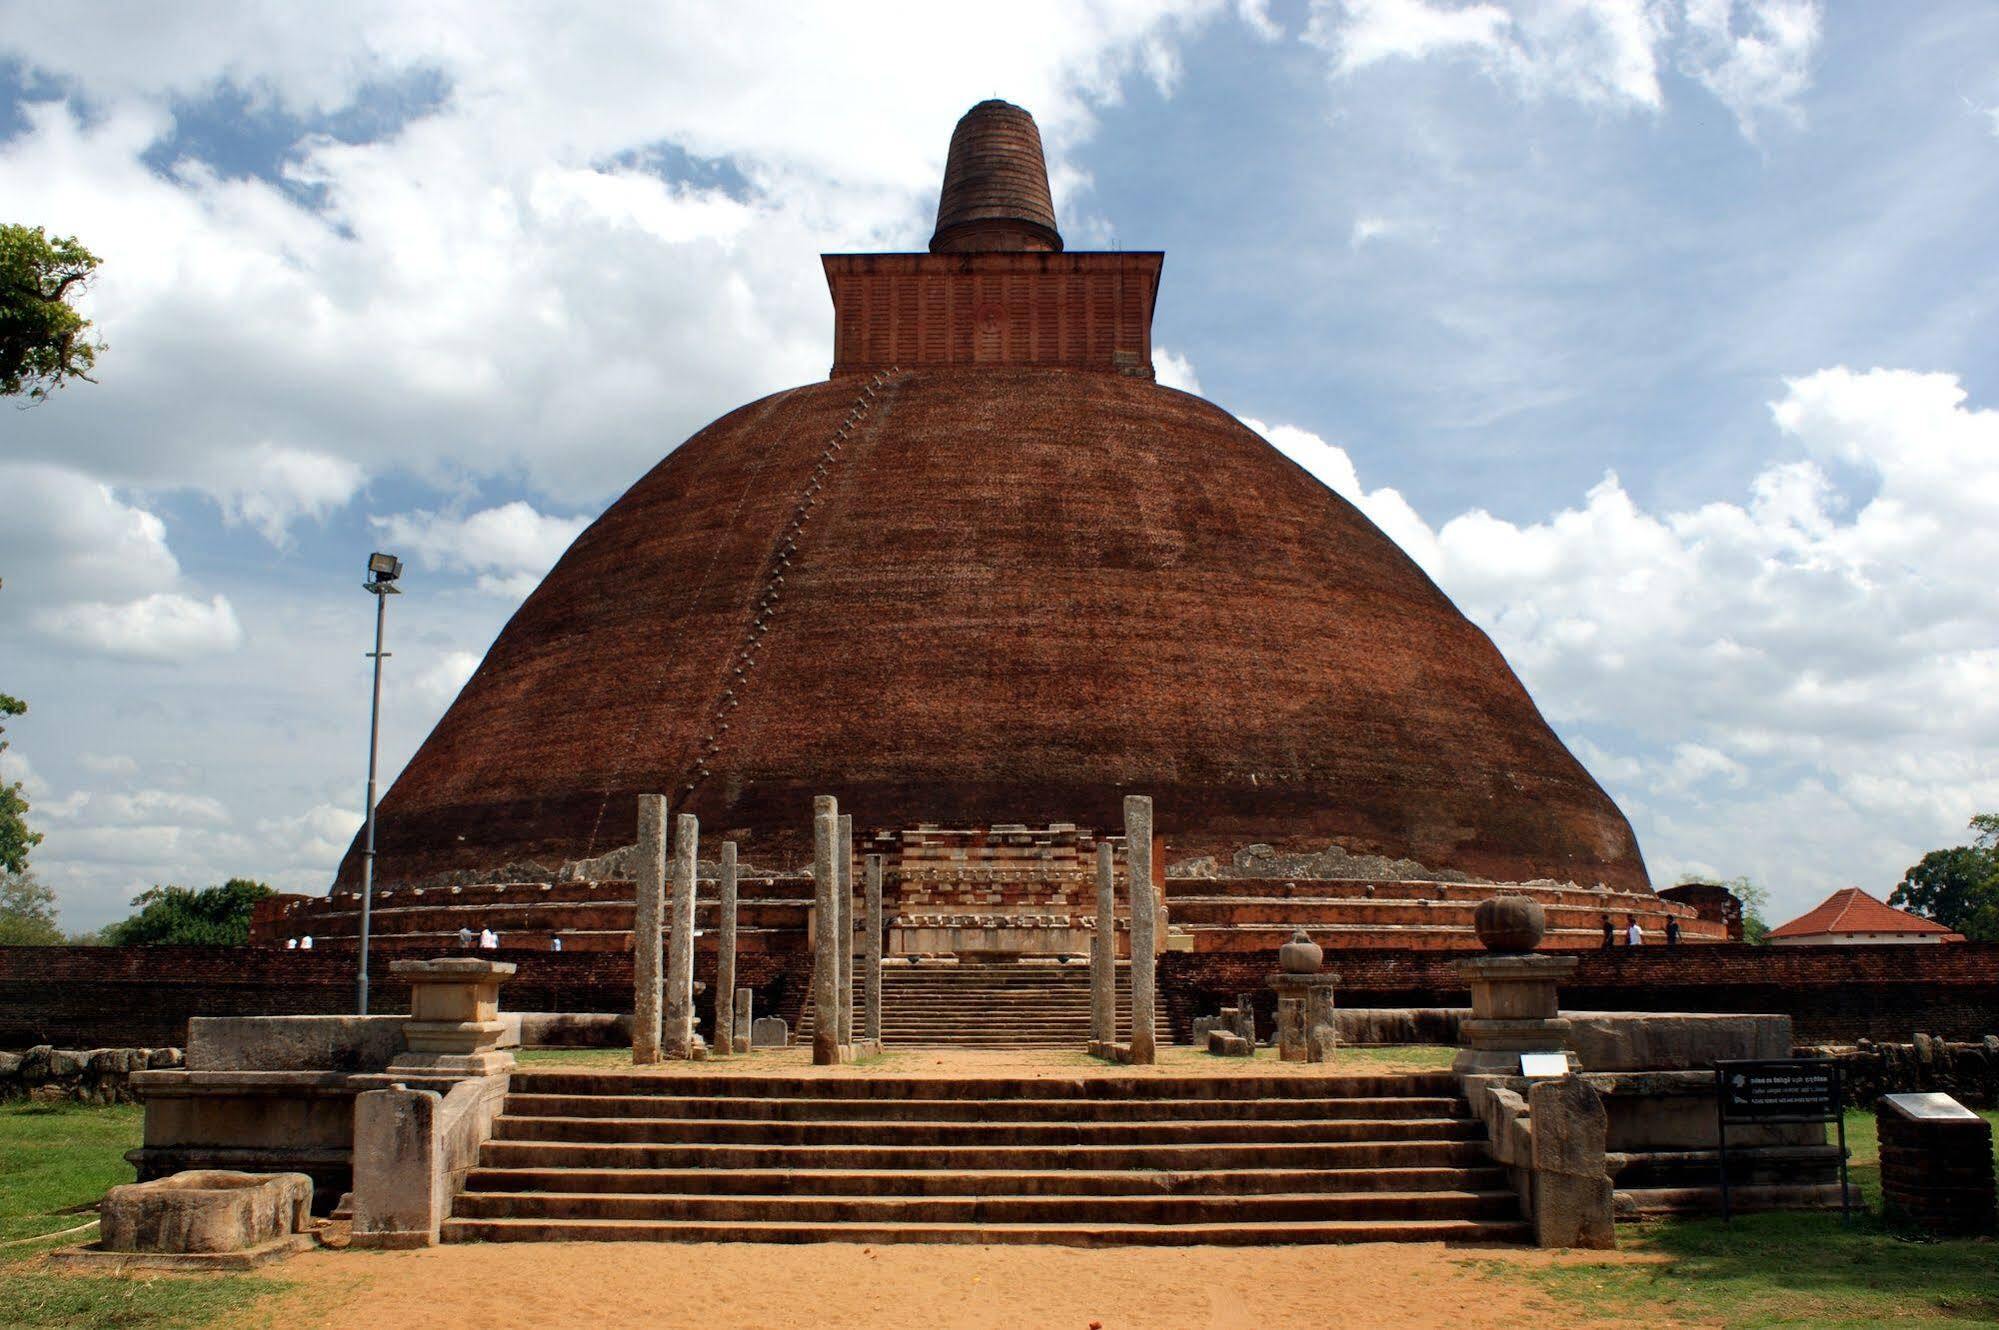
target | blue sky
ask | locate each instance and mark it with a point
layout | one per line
(1659, 331)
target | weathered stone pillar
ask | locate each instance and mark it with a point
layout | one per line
(871, 975)
(826, 918)
(846, 928)
(1144, 918)
(1103, 952)
(725, 956)
(745, 998)
(1572, 1193)
(677, 1037)
(646, 925)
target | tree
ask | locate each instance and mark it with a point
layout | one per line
(1755, 900)
(182, 916)
(27, 912)
(1958, 887)
(15, 838)
(43, 341)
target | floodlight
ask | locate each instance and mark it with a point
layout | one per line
(385, 567)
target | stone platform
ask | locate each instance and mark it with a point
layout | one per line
(1085, 1160)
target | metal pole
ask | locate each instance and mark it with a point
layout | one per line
(368, 852)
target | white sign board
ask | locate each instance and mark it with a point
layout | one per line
(1931, 1106)
(1544, 1064)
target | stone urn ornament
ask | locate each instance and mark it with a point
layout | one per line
(1509, 925)
(1300, 955)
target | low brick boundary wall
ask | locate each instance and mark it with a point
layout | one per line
(98, 997)
(1832, 994)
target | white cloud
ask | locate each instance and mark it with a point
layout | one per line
(441, 682)
(108, 764)
(1602, 52)
(142, 807)
(164, 626)
(1803, 685)
(1175, 370)
(509, 547)
(273, 487)
(1754, 55)
(90, 570)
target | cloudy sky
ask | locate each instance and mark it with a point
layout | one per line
(1661, 332)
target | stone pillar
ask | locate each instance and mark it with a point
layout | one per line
(677, 1037)
(1103, 952)
(646, 925)
(725, 955)
(1305, 1027)
(846, 867)
(826, 918)
(1515, 1009)
(871, 974)
(1572, 1191)
(1144, 920)
(745, 999)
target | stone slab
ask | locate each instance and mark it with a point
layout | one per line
(293, 1043)
(95, 1260)
(770, 1032)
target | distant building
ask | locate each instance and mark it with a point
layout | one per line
(1851, 916)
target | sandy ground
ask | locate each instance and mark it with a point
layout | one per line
(834, 1286)
(953, 1062)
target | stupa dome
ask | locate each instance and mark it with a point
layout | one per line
(990, 572)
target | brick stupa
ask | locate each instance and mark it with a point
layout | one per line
(991, 572)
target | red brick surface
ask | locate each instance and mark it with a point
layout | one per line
(89, 997)
(1020, 593)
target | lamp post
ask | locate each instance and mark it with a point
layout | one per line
(383, 570)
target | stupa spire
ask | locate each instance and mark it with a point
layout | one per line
(995, 193)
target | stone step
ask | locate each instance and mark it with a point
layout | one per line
(807, 1108)
(1204, 1156)
(1076, 1235)
(1247, 1085)
(985, 1182)
(975, 1209)
(875, 1131)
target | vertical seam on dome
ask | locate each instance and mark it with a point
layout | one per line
(741, 663)
(715, 554)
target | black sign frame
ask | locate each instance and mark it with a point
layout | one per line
(1827, 1107)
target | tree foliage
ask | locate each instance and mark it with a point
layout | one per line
(27, 912)
(15, 838)
(1755, 902)
(1958, 887)
(183, 916)
(44, 342)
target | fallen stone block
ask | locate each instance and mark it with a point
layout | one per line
(770, 1032)
(205, 1211)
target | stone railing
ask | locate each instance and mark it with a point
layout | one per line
(82, 1076)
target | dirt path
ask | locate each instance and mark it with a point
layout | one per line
(846, 1287)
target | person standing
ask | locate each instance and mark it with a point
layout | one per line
(1634, 936)
(1672, 931)
(1609, 935)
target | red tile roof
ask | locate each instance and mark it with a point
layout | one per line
(1851, 910)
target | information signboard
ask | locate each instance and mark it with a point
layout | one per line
(1793, 1090)
(1772, 1091)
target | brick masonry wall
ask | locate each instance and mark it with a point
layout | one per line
(1832, 994)
(101, 997)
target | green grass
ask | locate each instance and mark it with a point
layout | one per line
(1796, 1269)
(55, 1164)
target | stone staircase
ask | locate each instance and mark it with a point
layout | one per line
(999, 1006)
(1079, 1161)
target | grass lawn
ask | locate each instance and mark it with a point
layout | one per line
(55, 1164)
(1795, 1269)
